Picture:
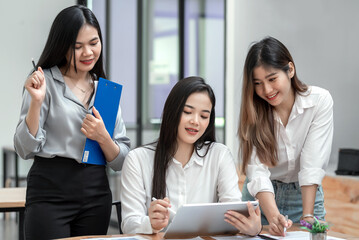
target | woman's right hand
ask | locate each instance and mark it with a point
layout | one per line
(36, 85)
(277, 224)
(159, 214)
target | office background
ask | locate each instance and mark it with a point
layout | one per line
(322, 36)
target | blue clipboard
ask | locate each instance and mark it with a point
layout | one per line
(107, 100)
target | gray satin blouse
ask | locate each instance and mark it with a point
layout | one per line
(61, 118)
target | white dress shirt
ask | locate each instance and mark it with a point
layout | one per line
(304, 145)
(206, 179)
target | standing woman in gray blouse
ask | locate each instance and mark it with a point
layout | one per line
(64, 196)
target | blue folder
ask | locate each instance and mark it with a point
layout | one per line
(107, 100)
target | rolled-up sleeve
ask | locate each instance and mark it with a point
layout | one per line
(133, 198)
(316, 150)
(25, 144)
(258, 175)
(122, 141)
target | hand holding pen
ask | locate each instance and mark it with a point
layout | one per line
(279, 224)
(159, 213)
(285, 228)
(262, 236)
(286, 223)
(169, 208)
(35, 84)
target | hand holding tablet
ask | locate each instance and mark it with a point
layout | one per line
(205, 219)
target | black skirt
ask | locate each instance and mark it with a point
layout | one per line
(61, 180)
(65, 198)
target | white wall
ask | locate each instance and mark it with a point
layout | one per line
(322, 36)
(24, 28)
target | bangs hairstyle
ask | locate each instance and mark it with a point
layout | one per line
(171, 116)
(256, 123)
(62, 38)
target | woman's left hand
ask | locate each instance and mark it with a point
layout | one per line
(93, 127)
(247, 225)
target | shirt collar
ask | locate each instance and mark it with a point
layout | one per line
(195, 158)
(56, 74)
(198, 158)
(303, 101)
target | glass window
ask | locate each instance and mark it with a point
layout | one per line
(159, 55)
(204, 49)
(160, 59)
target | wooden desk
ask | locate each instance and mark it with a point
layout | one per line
(159, 236)
(13, 200)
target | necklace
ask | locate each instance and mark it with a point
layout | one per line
(82, 90)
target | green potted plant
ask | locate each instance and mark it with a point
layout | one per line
(318, 230)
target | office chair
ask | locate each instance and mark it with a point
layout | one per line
(118, 210)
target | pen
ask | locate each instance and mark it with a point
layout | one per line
(266, 237)
(33, 64)
(169, 209)
(286, 219)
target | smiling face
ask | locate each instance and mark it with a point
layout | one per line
(194, 119)
(87, 49)
(274, 85)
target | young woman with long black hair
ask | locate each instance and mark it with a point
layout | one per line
(64, 196)
(185, 165)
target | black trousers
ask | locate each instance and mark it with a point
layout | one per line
(65, 199)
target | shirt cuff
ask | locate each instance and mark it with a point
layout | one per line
(311, 176)
(117, 163)
(260, 184)
(30, 143)
(146, 226)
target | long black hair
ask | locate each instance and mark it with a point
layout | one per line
(62, 37)
(167, 141)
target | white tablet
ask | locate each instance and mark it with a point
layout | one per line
(204, 219)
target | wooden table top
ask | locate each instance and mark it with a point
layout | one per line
(12, 197)
(159, 236)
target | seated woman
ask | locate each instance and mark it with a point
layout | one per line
(184, 166)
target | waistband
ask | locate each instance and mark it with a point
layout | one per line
(280, 184)
(60, 160)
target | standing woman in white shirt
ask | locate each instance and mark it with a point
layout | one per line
(65, 197)
(285, 133)
(185, 165)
